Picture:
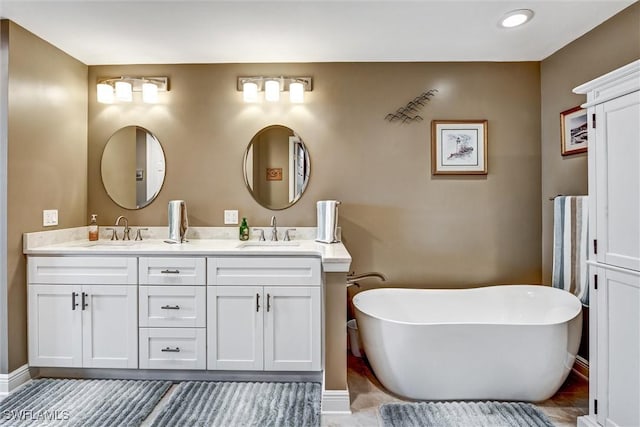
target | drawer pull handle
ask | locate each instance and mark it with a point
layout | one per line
(170, 271)
(257, 303)
(170, 307)
(268, 302)
(74, 304)
(84, 300)
(171, 350)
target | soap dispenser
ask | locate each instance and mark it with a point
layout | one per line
(244, 230)
(93, 228)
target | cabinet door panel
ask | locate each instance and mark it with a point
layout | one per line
(234, 327)
(55, 328)
(618, 353)
(292, 330)
(618, 182)
(110, 327)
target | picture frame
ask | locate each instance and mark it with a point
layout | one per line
(459, 147)
(573, 131)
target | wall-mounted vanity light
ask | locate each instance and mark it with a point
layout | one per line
(111, 89)
(272, 86)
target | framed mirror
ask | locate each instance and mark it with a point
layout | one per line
(133, 167)
(276, 167)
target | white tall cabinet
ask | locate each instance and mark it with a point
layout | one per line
(613, 114)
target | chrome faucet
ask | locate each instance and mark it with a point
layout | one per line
(274, 229)
(126, 231)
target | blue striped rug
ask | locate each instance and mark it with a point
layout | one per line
(462, 414)
(95, 403)
(245, 404)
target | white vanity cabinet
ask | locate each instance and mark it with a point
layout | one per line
(613, 113)
(264, 313)
(172, 312)
(83, 312)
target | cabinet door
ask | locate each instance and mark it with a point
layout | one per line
(292, 331)
(234, 327)
(55, 325)
(617, 181)
(618, 348)
(109, 326)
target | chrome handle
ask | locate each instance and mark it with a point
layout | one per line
(138, 234)
(84, 302)
(114, 235)
(170, 307)
(261, 231)
(170, 271)
(74, 304)
(171, 350)
(257, 303)
(268, 302)
(287, 237)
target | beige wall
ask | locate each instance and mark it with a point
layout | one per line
(47, 162)
(614, 43)
(396, 217)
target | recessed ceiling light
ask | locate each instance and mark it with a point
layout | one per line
(516, 18)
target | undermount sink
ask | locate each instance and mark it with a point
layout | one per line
(267, 244)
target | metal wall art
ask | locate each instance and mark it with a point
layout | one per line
(409, 113)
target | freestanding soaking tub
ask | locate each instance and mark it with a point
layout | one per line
(508, 342)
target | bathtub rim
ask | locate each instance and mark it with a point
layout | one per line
(578, 311)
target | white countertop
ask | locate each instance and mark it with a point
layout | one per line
(334, 256)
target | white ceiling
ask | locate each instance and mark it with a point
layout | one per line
(185, 31)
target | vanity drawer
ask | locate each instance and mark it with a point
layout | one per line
(172, 271)
(263, 271)
(173, 306)
(83, 270)
(173, 348)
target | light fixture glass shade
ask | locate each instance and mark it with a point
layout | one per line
(516, 18)
(296, 92)
(250, 92)
(272, 90)
(105, 93)
(149, 93)
(124, 91)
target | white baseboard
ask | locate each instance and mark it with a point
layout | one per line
(581, 367)
(335, 402)
(588, 421)
(13, 380)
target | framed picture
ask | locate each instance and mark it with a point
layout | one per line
(459, 147)
(573, 131)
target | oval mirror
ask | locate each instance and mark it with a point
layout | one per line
(133, 167)
(276, 167)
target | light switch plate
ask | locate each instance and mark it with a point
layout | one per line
(231, 217)
(49, 217)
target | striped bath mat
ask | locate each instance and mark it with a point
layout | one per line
(462, 414)
(95, 403)
(245, 404)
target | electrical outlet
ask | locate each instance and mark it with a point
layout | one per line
(231, 217)
(49, 217)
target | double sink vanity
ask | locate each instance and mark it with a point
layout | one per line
(213, 303)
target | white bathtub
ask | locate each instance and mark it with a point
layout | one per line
(509, 342)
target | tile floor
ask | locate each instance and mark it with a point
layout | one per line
(367, 394)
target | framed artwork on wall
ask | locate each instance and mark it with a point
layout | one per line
(573, 131)
(459, 147)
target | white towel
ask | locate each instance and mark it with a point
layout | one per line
(570, 240)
